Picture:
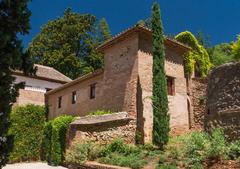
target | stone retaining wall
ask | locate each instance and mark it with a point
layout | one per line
(198, 99)
(223, 100)
(104, 128)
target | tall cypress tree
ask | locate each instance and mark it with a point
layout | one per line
(159, 99)
(104, 31)
(14, 20)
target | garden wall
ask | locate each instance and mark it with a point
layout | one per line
(198, 99)
(223, 103)
(103, 128)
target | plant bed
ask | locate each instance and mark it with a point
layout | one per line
(116, 153)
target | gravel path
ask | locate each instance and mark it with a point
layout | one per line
(37, 165)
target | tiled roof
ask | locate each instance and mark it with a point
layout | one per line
(47, 73)
(137, 28)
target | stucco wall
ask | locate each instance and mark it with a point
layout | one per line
(126, 85)
(179, 117)
(34, 91)
(115, 87)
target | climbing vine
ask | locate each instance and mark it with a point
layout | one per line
(198, 58)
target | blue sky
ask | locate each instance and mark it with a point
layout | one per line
(217, 18)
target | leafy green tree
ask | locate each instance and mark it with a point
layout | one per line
(203, 40)
(14, 20)
(160, 101)
(104, 31)
(68, 44)
(221, 54)
(198, 58)
(236, 49)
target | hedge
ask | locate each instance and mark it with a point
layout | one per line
(53, 147)
(27, 124)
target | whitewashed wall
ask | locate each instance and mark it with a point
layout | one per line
(36, 84)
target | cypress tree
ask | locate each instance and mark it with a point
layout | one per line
(14, 20)
(104, 31)
(159, 99)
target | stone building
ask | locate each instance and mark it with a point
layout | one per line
(125, 83)
(45, 79)
(223, 103)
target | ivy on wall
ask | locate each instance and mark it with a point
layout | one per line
(198, 58)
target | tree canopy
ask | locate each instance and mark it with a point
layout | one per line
(160, 101)
(236, 48)
(197, 59)
(221, 54)
(14, 20)
(68, 43)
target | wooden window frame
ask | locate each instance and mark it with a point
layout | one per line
(171, 86)
(74, 97)
(93, 91)
(59, 102)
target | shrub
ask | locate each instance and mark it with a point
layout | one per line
(217, 147)
(46, 143)
(233, 151)
(116, 153)
(27, 123)
(196, 146)
(55, 139)
(100, 112)
(79, 152)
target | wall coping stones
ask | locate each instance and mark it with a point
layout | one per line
(101, 119)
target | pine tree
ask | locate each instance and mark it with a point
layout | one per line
(104, 31)
(14, 20)
(160, 100)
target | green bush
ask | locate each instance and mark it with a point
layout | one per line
(100, 112)
(27, 123)
(46, 142)
(79, 152)
(217, 148)
(55, 139)
(233, 151)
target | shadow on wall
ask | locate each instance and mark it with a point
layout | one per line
(139, 131)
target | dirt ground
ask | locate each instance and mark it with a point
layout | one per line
(37, 165)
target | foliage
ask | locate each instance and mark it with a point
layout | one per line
(46, 142)
(236, 48)
(160, 101)
(14, 21)
(27, 123)
(233, 151)
(79, 152)
(100, 112)
(104, 31)
(221, 54)
(68, 43)
(192, 150)
(55, 138)
(198, 58)
(116, 153)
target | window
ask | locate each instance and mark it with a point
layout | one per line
(170, 86)
(92, 91)
(60, 102)
(74, 97)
